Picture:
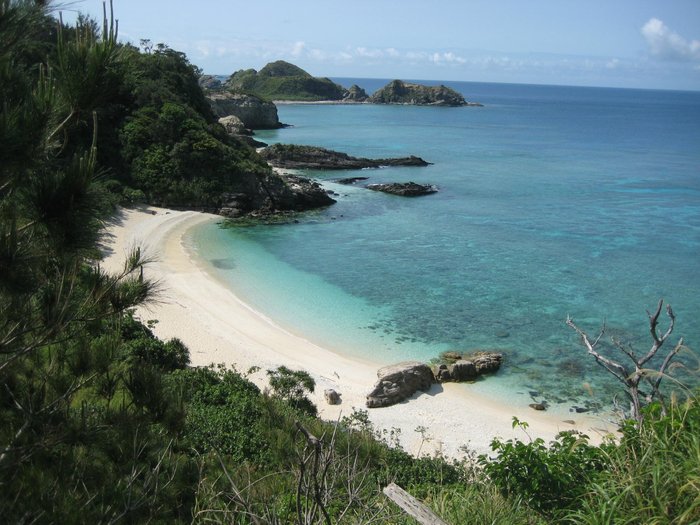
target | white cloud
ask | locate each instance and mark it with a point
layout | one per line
(447, 58)
(668, 45)
(297, 49)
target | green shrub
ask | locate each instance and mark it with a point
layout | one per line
(550, 478)
(292, 386)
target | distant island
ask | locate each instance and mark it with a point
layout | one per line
(282, 81)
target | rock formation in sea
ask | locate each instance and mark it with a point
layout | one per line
(273, 193)
(398, 382)
(467, 367)
(254, 112)
(355, 94)
(404, 189)
(291, 156)
(399, 92)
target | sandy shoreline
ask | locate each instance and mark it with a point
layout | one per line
(219, 328)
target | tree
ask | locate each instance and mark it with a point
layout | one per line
(640, 373)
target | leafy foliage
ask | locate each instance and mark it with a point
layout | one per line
(292, 386)
(548, 478)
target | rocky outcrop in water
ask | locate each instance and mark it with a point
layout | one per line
(355, 94)
(291, 156)
(404, 189)
(399, 92)
(274, 193)
(254, 112)
(398, 382)
(467, 367)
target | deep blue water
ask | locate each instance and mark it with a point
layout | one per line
(553, 201)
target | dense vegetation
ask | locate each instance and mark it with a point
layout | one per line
(104, 423)
(281, 80)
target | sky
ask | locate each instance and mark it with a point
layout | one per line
(652, 44)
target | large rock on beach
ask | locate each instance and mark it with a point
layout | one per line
(399, 92)
(404, 189)
(332, 396)
(398, 382)
(292, 156)
(468, 367)
(254, 112)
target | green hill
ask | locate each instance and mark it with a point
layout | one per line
(281, 80)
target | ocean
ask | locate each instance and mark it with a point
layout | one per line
(553, 201)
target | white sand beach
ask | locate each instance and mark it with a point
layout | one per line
(219, 328)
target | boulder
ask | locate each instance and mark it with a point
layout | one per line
(464, 370)
(404, 189)
(485, 362)
(234, 125)
(468, 367)
(254, 112)
(332, 397)
(398, 382)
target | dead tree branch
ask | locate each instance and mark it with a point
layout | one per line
(631, 378)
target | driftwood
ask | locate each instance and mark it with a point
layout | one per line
(411, 505)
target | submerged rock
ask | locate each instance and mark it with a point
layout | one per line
(350, 180)
(398, 382)
(404, 189)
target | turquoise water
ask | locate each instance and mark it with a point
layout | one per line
(552, 201)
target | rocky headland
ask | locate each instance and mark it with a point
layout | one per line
(291, 156)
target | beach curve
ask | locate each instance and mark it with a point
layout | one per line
(218, 327)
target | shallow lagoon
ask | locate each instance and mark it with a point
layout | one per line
(553, 201)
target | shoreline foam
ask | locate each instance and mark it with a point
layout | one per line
(219, 328)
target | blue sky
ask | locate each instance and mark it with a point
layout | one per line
(617, 43)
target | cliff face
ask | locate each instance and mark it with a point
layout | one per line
(254, 112)
(399, 92)
(281, 80)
